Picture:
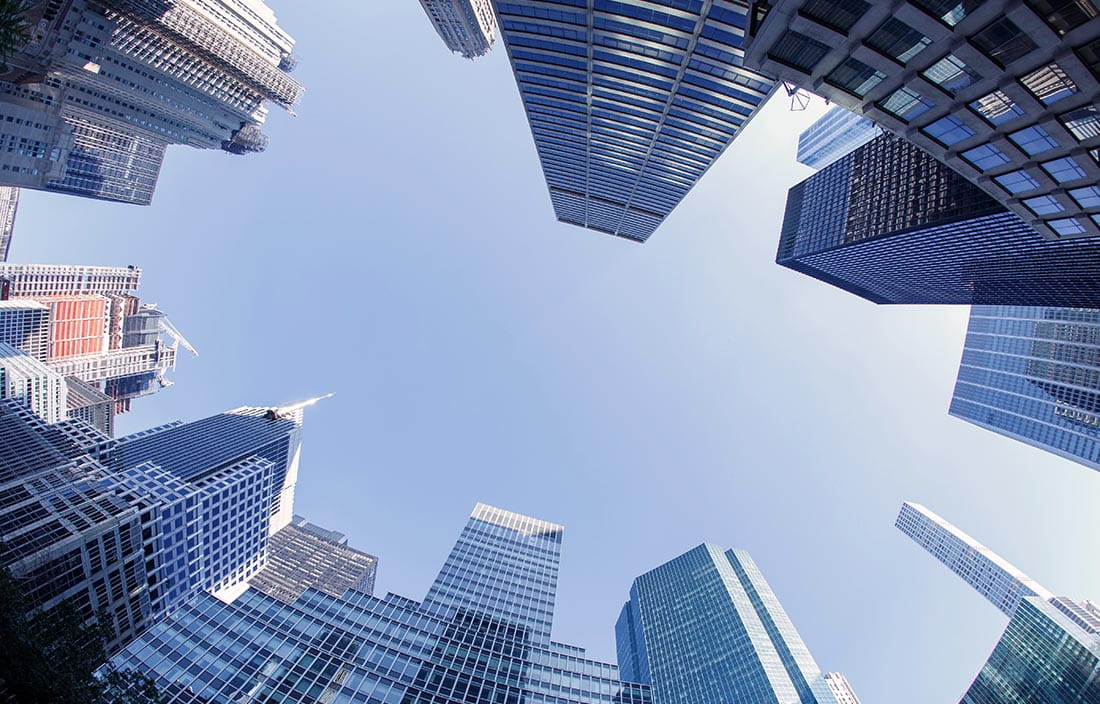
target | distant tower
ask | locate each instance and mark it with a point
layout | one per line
(1002, 584)
(467, 27)
(839, 132)
(32, 383)
(707, 627)
(9, 203)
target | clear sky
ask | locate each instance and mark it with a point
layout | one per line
(395, 245)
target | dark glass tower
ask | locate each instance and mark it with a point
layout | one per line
(1033, 374)
(482, 636)
(629, 102)
(891, 224)
(707, 627)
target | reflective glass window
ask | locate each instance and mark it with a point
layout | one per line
(1003, 41)
(1049, 84)
(838, 14)
(1064, 169)
(855, 77)
(1066, 226)
(1083, 123)
(951, 74)
(898, 40)
(950, 12)
(948, 131)
(1043, 205)
(985, 157)
(1064, 15)
(906, 103)
(1090, 55)
(997, 108)
(1017, 182)
(1033, 140)
(1087, 197)
(798, 51)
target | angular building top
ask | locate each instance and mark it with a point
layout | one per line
(9, 203)
(891, 224)
(34, 280)
(838, 133)
(467, 27)
(1004, 93)
(303, 556)
(707, 627)
(629, 102)
(1044, 656)
(1001, 583)
(479, 636)
(1033, 374)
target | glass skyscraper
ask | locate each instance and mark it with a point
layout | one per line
(1000, 582)
(1044, 656)
(1033, 374)
(839, 132)
(481, 636)
(629, 102)
(891, 224)
(707, 627)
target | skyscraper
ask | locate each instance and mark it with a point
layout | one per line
(1043, 656)
(891, 224)
(1001, 583)
(707, 627)
(839, 132)
(481, 635)
(1005, 93)
(1033, 374)
(86, 322)
(87, 403)
(92, 101)
(841, 689)
(467, 27)
(302, 556)
(9, 203)
(629, 105)
(130, 529)
(32, 383)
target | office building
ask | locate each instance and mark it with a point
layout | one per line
(1001, 583)
(132, 528)
(95, 329)
(32, 383)
(38, 280)
(1033, 374)
(9, 203)
(1044, 656)
(629, 105)
(891, 224)
(303, 556)
(467, 27)
(25, 325)
(1004, 93)
(839, 132)
(100, 91)
(840, 688)
(707, 627)
(482, 634)
(86, 403)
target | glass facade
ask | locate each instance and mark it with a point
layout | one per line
(839, 132)
(480, 637)
(892, 224)
(706, 627)
(1033, 374)
(1044, 656)
(629, 101)
(999, 582)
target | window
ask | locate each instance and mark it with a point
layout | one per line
(1033, 140)
(948, 131)
(1017, 182)
(855, 77)
(1003, 42)
(1064, 169)
(950, 12)
(1043, 205)
(906, 103)
(1049, 84)
(1087, 197)
(997, 108)
(951, 74)
(837, 14)
(1090, 55)
(798, 51)
(1066, 226)
(1082, 123)
(986, 157)
(1064, 15)
(898, 40)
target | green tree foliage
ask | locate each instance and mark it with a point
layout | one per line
(14, 31)
(49, 657)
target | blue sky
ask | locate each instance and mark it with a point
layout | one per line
(395, 245)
